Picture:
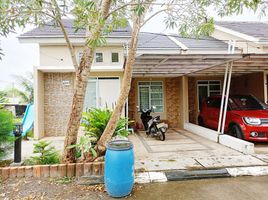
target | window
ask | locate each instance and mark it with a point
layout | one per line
(79, 56)
(99, 57)
(151, 94)
(115, 57)
(206, 89)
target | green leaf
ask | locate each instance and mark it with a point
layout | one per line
(94, 153)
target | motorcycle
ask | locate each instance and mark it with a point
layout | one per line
(152, 125)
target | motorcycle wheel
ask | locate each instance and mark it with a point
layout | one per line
(162, 135)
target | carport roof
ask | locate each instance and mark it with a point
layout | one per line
(149, 65)
(250, 63)
(173, 65)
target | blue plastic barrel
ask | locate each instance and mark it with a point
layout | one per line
(119, 168)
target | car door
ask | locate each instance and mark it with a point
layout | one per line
(214, 113)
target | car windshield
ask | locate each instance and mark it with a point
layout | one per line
(245, 102)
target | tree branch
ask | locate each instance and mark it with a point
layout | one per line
(153, 15)
(66, 37)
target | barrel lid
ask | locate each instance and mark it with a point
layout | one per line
(119, 145)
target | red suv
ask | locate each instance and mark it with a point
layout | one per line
(246, 118)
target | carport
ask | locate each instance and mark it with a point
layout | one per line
(187, 65)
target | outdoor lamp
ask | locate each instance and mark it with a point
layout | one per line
(18, 129)
(17, 146)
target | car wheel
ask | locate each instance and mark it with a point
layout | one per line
(201, 121)
(236, 131)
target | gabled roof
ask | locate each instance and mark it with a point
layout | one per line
(205, 43)
(155, 40)
(50, 30)
(257, 30)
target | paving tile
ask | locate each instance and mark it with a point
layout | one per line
(248, 171)
(196, 174)
(263, 157)
(142, 177)
(164, 164)
(156, 177)
(242, 160)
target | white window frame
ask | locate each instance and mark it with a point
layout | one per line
(112, 57)
(203, 84)
(95, 59)
(162, 83)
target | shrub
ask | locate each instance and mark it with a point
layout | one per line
(6, 128)
(95, 120)
(47, 154)
(84, 146)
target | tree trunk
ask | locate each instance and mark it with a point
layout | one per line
(126, 83)
(81, 79)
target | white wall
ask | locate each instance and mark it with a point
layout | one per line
(52, 55)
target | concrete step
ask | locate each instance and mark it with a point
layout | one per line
(179, 175)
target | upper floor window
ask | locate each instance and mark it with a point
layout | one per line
(115, 57)
(99, 57)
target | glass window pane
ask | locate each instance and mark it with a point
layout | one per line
(144, 83)
(214, 87)
(156, 102)
(159, 109)
(156, 83)
(91, 96)
(202, 82)
(115, 57)
(144, 97)
(99, 57)
(214, 82)
(156, 95)
(156, 89)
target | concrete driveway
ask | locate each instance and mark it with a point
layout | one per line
(185, 151)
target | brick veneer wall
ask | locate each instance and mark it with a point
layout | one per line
(131, 100)
(248, 84)
(57, 102)
(58, 170)
(171, 88)
(172, 101)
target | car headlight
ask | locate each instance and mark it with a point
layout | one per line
(252, 120)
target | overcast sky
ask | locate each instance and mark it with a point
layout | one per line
(20, 58)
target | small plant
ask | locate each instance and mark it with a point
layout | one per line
(47, 154)
(6, 128)
(64, 180)
(84, 146)
(95, 121)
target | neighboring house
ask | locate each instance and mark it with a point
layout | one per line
(172, 73)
